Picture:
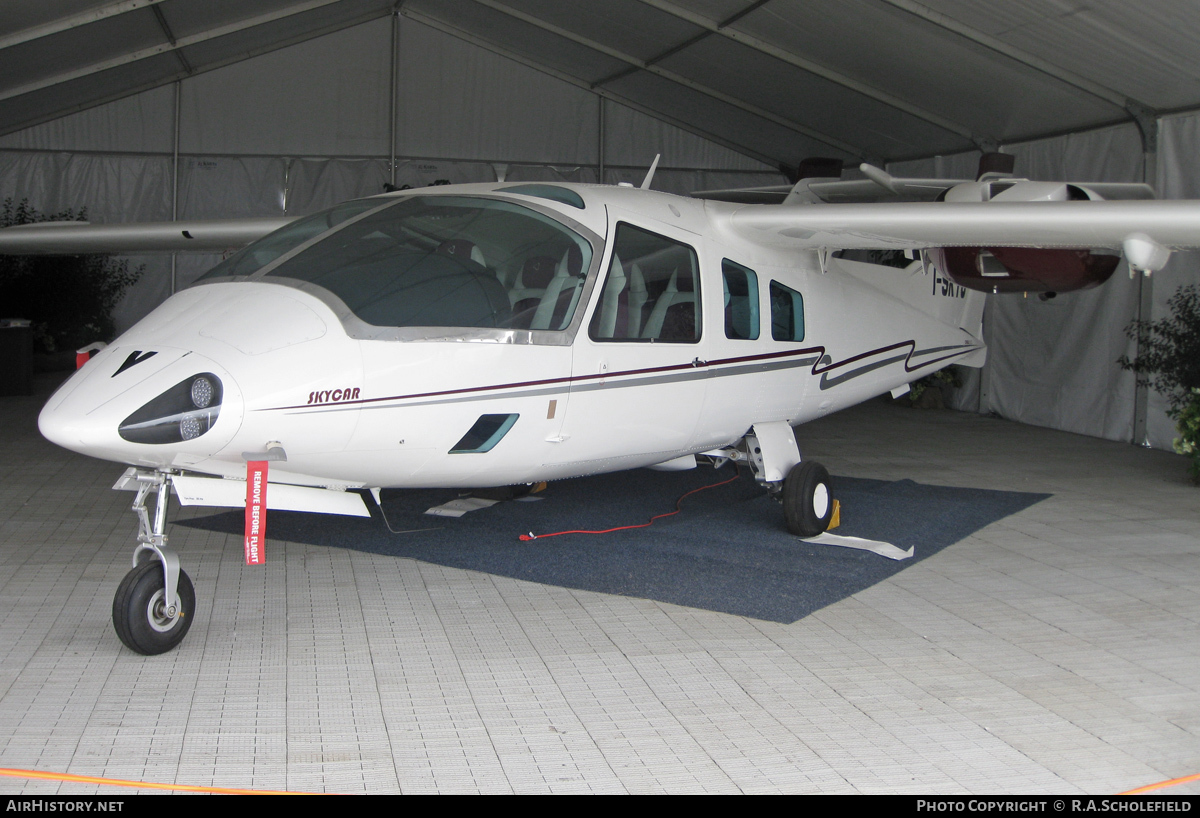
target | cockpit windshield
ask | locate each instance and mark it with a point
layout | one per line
(450, 261)
(254, 257)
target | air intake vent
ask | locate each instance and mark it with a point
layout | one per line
(485, 434)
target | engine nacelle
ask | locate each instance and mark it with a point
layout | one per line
(1022, 190)
(1024, 269)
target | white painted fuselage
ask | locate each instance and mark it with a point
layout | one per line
(357, 404)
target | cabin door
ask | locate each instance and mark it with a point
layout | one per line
(638, 378)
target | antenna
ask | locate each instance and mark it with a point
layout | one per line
(650, 173)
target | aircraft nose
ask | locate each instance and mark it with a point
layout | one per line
(180, 404)
(62, 428)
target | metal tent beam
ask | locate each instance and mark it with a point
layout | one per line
(940, 20)
(167, 47)
(725, 29)
(455, 31)
(74, 21)
(678, 79)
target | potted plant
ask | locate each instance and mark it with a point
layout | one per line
(1168, 360)
(933, 390)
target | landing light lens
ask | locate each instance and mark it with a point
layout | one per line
(202, 394)
(184, 412)
(190, 427)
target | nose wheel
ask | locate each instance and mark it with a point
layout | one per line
(141, 616)
(154, 604)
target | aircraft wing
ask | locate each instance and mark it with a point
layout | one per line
(1172, 225)
(832, 190)
(872, 189)
(72, 238)
(771, 194)
(881, 186)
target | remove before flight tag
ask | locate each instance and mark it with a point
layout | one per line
(256, 512)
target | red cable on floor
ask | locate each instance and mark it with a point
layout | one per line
(678, 503)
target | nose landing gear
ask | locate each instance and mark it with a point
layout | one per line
(154, 604)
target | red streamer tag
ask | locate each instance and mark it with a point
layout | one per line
(256, 512)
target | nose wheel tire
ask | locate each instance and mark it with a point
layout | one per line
(807, 499)
(140, 616)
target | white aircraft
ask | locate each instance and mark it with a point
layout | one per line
(500, 334)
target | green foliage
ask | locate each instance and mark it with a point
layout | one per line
(890, 258)
(68, 299)
(948, 376)
(1187, 423)
(1169, 360)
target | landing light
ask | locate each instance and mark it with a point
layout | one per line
(190, 427)
(202, 392)
(184, 412)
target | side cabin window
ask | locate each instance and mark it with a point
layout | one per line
(787, 313)
(741, 301)
(651, 292)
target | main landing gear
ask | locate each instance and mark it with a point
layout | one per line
(802, 486)
(807, 499)
(154, 604)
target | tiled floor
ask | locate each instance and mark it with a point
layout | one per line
(1055, 651)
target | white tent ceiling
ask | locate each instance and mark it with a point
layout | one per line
(882, 80)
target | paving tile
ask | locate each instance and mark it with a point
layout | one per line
(1055, 651)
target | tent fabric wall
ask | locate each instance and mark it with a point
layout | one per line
(1063, 370)
(305, 127)
(329, 97)
(580, 174)
(1178, 178)
(141, 123)
(111, 187)
(324, 97)
(458, 100)
(633, 138)
(315, 184)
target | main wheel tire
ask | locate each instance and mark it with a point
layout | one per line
(138, 610)
(807, 499)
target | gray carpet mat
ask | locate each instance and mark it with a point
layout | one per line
(726, 551)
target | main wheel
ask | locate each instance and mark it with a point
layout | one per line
(139, 610)
(807, 499)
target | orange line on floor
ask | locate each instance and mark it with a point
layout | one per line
(1162, 784)
(147, 785)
